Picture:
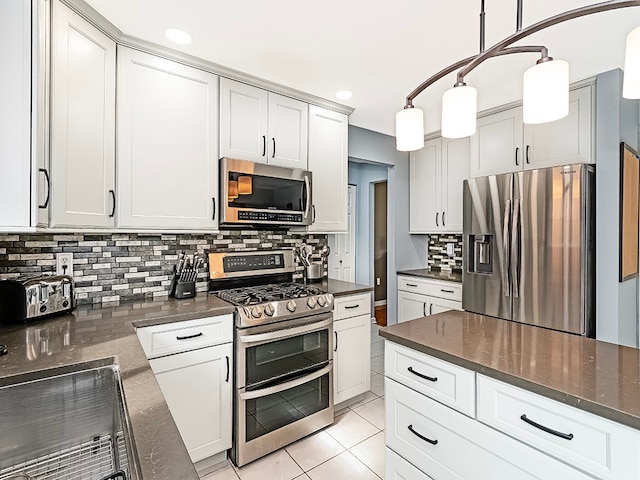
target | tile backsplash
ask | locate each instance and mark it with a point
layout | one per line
(437, 252)
(114, 267)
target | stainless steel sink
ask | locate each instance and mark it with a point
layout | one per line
(71, 424)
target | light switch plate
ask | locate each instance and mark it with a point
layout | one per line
(450, 249)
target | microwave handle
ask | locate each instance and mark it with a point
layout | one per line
(307, 185)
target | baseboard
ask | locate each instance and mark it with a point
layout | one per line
(211, 464)
(379, 303)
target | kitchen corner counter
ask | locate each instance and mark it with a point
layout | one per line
(340, 289)
(433, 274)
(108, 332)
(598, 377)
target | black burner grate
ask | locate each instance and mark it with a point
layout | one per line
(246, 296)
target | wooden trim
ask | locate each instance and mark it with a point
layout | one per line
(629, 204)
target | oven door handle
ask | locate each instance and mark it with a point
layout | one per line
(286, 385)
(286, 333)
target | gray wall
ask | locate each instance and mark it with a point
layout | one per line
(405, 251)
(616, 302)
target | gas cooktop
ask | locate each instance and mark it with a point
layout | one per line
(246, 296)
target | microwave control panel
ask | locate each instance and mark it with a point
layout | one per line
(269, 216)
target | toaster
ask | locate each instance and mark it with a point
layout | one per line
(31, 298)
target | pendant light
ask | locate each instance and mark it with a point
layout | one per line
(409, 129)
(545, 91)
(631, 82)
(459, 111)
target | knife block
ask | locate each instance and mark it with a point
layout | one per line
(183, 289)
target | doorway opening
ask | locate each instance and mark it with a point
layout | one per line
(380, 251)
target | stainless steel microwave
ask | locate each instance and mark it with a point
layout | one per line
(260, 194)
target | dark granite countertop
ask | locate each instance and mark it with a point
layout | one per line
(340, 289)
(433, 274)
(598, 377)
(93, 333)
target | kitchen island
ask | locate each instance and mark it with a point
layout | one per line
(500, 370)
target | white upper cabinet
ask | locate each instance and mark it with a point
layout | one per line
(167, 143)
(504, 144)
(328, 157)
(83, 75)
(15, 102)
(436, 174)
(262, 126)
(288, 129)
(243, 121)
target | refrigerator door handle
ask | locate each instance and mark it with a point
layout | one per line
(515, 249)
(505, 248)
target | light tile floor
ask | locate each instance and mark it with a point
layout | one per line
(351, 448)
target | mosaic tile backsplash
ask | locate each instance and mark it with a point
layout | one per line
(437, 252)
(115, 267)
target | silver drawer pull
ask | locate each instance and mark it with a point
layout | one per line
(422, 375)
(566, 436)
(188, 337)
(422, 437)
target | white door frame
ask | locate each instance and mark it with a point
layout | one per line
(342, 259)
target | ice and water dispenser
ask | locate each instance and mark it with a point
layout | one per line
(480, 253)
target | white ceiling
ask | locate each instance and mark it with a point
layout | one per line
(380, 50)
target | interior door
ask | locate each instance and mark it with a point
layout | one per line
(342, 259)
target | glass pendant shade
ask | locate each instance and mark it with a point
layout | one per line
(409, 129)
(233, 189)
(245, 186)
(631, 82)
(459, 111)
(545, 92)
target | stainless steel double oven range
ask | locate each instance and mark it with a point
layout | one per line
(283, 344)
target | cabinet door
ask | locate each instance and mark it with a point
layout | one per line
(425, 188)
(288, 130)
(243, 121)
(83, 102)
(328, 157)
(411, 305)
(564, 141)
(351, 357)
(439, 305)
(167, 143)
(455, 169)
(496, 146)
(197, 388)
(15, 101)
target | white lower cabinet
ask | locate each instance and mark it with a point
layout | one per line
(420, 297)
(351, 347)
(427, 438)
(193, 365)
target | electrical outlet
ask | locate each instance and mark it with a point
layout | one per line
(64, 264)
(450, 249)
(378, 281)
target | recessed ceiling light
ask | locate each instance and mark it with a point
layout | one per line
(178, 36)
(344, 94)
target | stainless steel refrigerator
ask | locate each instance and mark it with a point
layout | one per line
(529, 247)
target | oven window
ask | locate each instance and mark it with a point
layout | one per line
(269, 413)
(271, 361)
(265, 193)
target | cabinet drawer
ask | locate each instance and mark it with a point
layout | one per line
(448, 446)
(397, 468)
(434, 288)
(160, 340)
(596, 445)
(452, 385)
(351, 306)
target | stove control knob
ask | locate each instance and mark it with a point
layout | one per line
(256, 312)
(312, 302)
(269, 310)
(322, 300)
(291, 306)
